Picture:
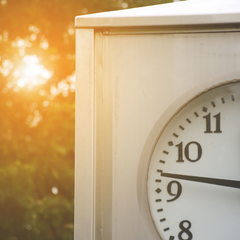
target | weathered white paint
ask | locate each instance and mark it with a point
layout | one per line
(84, 157)
(129, 82)
(178, 13)
(149, 73)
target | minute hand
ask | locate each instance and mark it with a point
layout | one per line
(216, 181)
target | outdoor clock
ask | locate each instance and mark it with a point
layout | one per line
(193, 179)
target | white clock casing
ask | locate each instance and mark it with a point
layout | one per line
(200, 145)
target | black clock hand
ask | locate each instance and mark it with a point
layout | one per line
(216, 181)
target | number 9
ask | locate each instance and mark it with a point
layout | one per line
(177, 194)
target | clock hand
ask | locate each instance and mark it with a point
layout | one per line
(215, 181)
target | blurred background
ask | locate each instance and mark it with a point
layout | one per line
(37, 106)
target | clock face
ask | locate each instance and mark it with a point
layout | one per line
(193, 181)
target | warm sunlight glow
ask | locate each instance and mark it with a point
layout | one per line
(31, 72)
(54, 190)
(3, 2)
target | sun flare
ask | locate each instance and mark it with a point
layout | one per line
(31, 72)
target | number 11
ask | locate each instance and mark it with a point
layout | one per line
(208, 123)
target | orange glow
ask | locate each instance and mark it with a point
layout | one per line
(31, 72)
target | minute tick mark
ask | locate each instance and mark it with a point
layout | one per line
(196, 114)
(181, 127)
(175, 135)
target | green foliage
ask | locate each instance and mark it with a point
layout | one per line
(26, 213)
(37, 114)
(35, 160)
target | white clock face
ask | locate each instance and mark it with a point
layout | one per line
(194, 172)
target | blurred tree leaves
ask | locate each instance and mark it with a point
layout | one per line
(37, 114)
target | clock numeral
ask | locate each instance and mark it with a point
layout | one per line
(208, 123)
(187, 152)
(185, 230)
(177, 194)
